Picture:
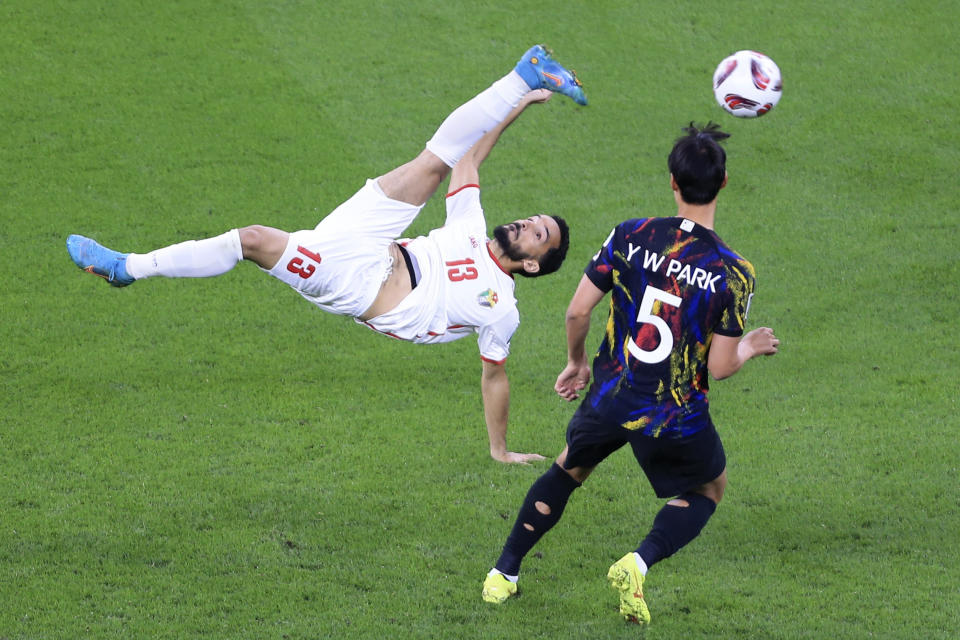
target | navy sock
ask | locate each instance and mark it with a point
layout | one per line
(674, 527)
(541, 509)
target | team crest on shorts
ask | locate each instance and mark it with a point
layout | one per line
(488, 299)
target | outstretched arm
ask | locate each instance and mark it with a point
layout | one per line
(496, 409)
(576, 374)
(467, 170)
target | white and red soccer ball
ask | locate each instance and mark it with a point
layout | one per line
(747, 84)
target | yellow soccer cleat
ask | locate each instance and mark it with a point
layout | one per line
(625, 577)
(497, 589)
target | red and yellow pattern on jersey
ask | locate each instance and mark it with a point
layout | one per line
(673, 285)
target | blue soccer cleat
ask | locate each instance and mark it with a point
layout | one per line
(98, 260)
(540, 71)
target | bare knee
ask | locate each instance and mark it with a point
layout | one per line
(580, 474)
(415, 181)
(713, 490)
(263, 245)
(255, 238)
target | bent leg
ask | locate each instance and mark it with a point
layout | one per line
(681, 520)
(580, 474)
(540, 511)
(263, 245)
(415, 181)
(211, 256)
(714, 489)
(191, 259)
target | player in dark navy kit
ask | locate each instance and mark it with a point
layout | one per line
(679, 302)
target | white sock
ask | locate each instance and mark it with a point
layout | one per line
(191, 259)
(640, 563)
(512, 579)
(471, 120)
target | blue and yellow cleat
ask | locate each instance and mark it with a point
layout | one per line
(540, 71)
(497, 589)
(625, 577)
(98, 260)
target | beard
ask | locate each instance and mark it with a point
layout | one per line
(502, 235)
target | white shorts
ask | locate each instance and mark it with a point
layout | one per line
(340, 265)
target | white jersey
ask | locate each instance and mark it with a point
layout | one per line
(462, 289)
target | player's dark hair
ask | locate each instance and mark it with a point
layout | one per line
(698, 163)
(553, 258)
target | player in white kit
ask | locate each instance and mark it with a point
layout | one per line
(441, 287)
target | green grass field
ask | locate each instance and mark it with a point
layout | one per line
(216, 458)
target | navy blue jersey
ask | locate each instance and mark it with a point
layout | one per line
(674, 284)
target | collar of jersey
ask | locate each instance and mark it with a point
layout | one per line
(497, 262)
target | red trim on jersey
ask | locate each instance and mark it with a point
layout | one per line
(393, 335)
(385, 333)
(497, 262)
(455, 326)
(466, 186)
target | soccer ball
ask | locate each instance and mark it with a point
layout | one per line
(747, 84)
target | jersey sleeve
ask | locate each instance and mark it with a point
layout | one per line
(463, 206)
(741, 282)
(600, 268)
(494, 338)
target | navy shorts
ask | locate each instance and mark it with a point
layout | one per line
(673, 465)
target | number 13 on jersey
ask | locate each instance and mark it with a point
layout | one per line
(459, 270)
(645, 315)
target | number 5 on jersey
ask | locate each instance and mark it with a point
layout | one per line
(645, 315)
